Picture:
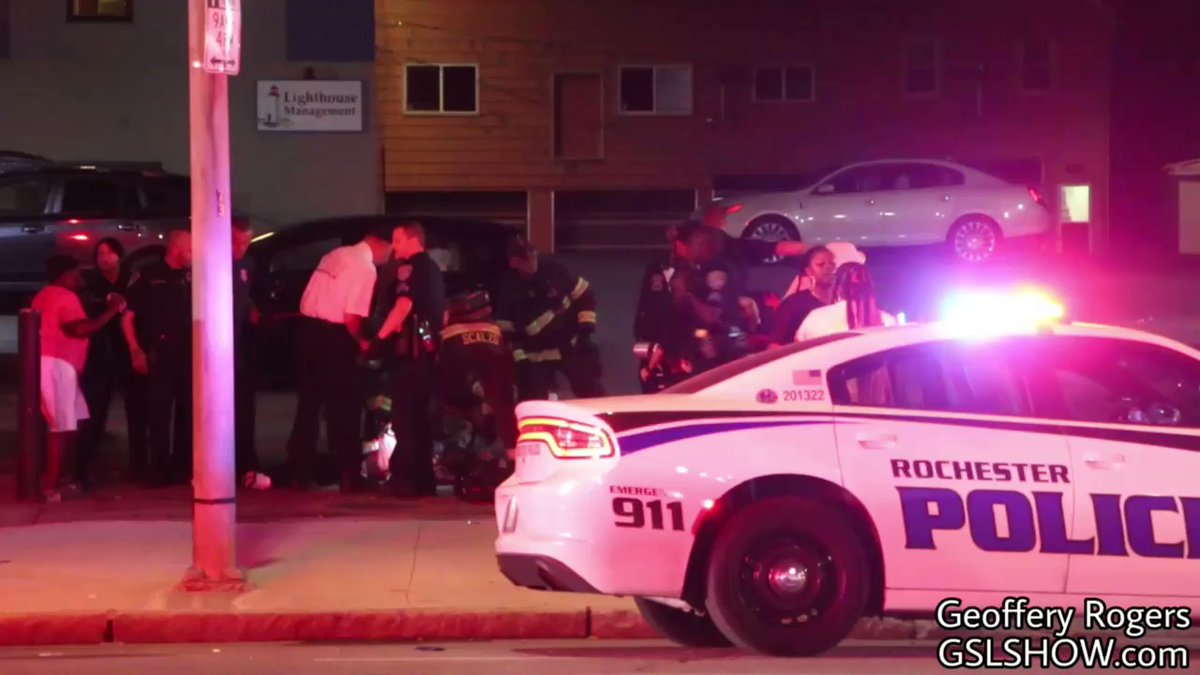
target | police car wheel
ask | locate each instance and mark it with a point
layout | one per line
(687, 629)
(788, 576)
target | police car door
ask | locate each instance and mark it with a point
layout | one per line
(1131, 415)
(936, 442)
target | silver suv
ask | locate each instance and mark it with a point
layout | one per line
(68, 208)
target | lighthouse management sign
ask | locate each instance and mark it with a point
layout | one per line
(310, 105)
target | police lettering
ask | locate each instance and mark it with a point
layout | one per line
(946, 469)
(1040, 524)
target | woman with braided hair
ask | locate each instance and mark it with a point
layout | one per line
(854, 306)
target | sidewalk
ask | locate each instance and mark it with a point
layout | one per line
(364, 569)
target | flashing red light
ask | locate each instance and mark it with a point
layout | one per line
(80, 237)
(1036, 196)
(733, 209)
(74, 221)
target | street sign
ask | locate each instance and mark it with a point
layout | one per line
(222, 36)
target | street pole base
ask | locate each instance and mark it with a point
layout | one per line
(231, 581)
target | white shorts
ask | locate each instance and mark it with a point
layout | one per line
(62, 398)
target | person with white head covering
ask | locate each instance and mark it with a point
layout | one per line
(854, 306)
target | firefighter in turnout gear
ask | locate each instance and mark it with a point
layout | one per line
(549, 316)
(475, 354)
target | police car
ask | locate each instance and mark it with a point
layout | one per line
(775, 500)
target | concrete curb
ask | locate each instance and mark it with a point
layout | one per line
(399, 626)
(54, 629)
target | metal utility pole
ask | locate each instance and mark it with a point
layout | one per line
(214, 28)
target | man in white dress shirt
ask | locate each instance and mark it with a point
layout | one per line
(329, 341)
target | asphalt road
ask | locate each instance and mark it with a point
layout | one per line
(499, 658)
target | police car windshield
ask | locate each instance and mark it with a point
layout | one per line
(733, 368)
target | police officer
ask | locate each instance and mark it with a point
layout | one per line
(549, 316)
(158, 330)
(244, 317)
(651, 318)
(414, 327)
(474, 351)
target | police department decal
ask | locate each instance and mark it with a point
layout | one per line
(767, 396)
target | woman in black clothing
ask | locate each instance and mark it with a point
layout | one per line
(108, 365)
(819, 266)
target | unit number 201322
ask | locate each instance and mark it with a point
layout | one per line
(804, 394)
(633, 513)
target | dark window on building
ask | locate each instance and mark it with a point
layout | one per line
(441, 89)
(656, 90)
(794, 83)
(921, 68)
(100, 10)
(5, 28)
(1037, 59)
(321, 30)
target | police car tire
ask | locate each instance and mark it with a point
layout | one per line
(687, 629)
(803, 519)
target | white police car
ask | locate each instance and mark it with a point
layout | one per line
(774, 501)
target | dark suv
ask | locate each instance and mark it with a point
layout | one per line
(68, 208)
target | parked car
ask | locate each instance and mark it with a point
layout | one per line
(908, 202)
(12, 160)
(68, 208)
(472, 254)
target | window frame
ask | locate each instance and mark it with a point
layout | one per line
(441, 112)
(654, 68)
(1051, 66)
(812, 74)
(72, 17)
(906, 67)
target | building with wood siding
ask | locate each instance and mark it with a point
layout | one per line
(576, 111)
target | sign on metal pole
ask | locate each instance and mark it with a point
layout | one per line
(223, 36)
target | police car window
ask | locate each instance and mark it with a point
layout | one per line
(1115, 381)
(940, 377)
(745, 364)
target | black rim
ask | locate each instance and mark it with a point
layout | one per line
(787, 579)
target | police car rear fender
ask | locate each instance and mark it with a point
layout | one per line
(689, 466)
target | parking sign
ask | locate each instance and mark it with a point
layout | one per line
(222, 36)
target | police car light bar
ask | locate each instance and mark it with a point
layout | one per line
(984, 313)
(567, 440)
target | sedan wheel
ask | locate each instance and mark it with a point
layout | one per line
(974, 240)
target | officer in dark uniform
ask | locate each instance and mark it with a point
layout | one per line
(414, 327)
(244, 318)
(549, 316)
(652, 321)
(158, 329)
(474, 351)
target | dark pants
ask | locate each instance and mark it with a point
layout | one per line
(580, 366)
(494, 372)
(415, 417)
(169, 407)
(327, 377)
(101, 380)
(245, 387)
